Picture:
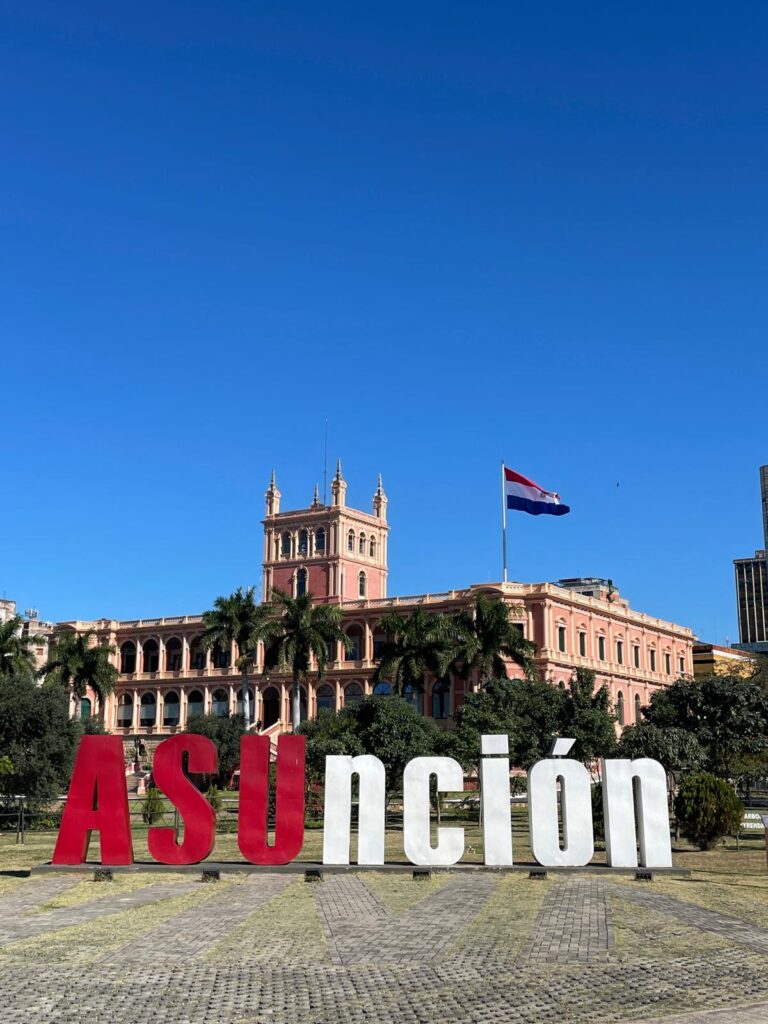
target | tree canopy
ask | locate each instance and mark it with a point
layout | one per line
(387, 727)
(37, 737)
(727, 715)
(238, 619)
(77, 664)
(296, 631)
(484, 638)
(17, 658)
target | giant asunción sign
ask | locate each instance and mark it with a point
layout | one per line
(559, 806)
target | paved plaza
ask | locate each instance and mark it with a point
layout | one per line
(456, 948)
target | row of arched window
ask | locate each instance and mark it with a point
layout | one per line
(174, 653)
(352, 693)
(305, 545)
(362, 544)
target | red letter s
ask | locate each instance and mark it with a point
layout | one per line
(197, 814)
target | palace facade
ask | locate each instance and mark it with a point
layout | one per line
(340, 554)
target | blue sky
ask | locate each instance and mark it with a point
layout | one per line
(463, 233)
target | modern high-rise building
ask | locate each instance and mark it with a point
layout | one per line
(752, 587)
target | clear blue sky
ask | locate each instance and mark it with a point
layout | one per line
(461, 232)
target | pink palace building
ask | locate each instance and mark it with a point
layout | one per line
(339, 554)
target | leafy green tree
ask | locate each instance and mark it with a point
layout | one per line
(707, 809)
(588, 719)
(296, 631)
(529, 711)
(417, 645)
(728, 715)
(676, 749)
(237, 619)
(388, 727)
(225, 731)
(17, 658)
(77, 664)
(152, 806)
(37, 737)
(485, 639)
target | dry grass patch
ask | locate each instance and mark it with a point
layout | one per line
(400, 892)
(507, 918)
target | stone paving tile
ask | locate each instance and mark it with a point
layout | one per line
(191, 932)
(345, 901)
(732, 928)
(421, 934)
(401, 982)
(32, 892)
(573, 925)
(18, 928)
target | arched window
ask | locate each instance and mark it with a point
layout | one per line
(351, 541)
(372, 548)
(171, 709)
(382, 689)
(128, 657)
(239, 705)
(148, 709)
(85, 709)
(271, 705)
(355, 650)
(285, 545)
(301, 582)
(220, 703)
(303, 542)
(620, 708)
(668, 663)
(125, 711)
(413, 695)
(353, 693)
(195, 705)
(362, 584)
(652, 659)
(441, 699)
(361, 545)
(326, 698)
(638, 707)
(601, 647)
(379, 639)
(151, 656)
(222, 657)
(620, 651)
(173, 655)
(320, 540)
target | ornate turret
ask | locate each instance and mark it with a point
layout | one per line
(339, 487)
(273, 497)
(380, 502)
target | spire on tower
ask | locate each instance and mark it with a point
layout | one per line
(380, 501)
(273, 497)
(339, 486)
(316, 499)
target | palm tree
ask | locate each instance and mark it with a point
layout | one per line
(237, 619)
(298, 631)
(485, 639)
(77, 664)
(16, 655)
(418, 644)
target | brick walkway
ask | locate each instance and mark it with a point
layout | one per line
(573, 926)
(450, 959)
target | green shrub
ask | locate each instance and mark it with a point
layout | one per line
(707, 809)
(153, 806)
(598, 818)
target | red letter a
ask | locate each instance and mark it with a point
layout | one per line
(197, 814)
(254, 802)
(97, 802)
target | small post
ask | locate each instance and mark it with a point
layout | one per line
(211, 876)
(538, 873)
(313, 875)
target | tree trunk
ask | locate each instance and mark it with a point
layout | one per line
(295, 701)
(246, 699)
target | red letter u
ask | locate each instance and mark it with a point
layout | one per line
(254, 799)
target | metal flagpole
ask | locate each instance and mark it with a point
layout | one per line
(503, 522)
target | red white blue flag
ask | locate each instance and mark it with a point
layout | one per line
(523, 495)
